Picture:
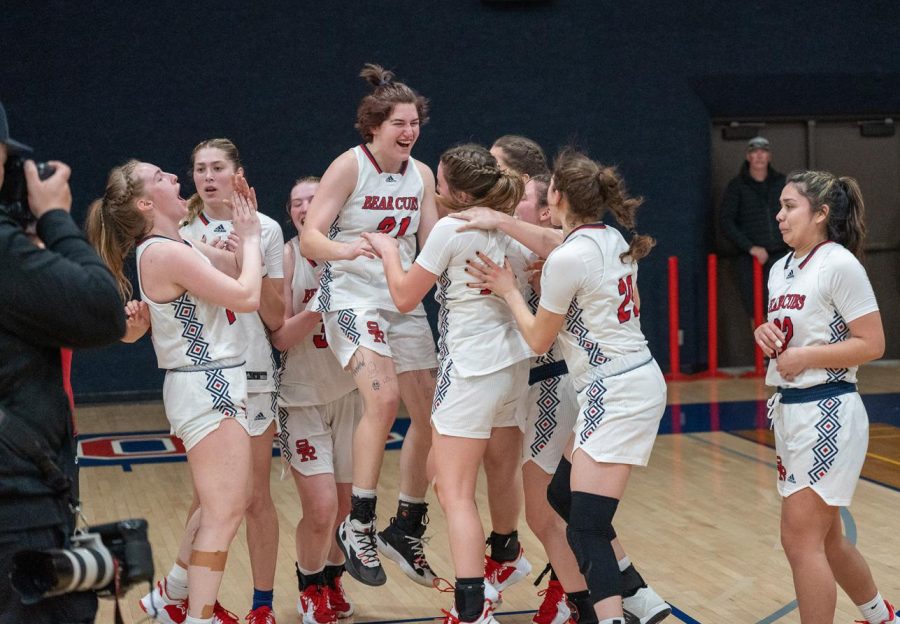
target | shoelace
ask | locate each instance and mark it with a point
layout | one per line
(552, 596)
(368, 551)
(220, 614)
(417, 545)
(260, 616)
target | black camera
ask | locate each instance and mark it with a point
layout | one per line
(14, 194)
(107, 558)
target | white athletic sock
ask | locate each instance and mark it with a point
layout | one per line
(361, 493)
(190, 620)
(875, 611)
(624, 562)
(406, 498)
(177, 583)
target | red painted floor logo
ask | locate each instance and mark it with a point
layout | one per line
(153, 447)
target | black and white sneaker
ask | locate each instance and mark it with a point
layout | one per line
(357, 541)
(407, 550)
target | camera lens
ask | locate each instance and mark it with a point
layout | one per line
(38, 574)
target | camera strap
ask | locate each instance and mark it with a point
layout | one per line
(25, 442)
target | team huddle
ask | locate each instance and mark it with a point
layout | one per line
(540, 349)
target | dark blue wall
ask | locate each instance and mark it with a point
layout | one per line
(94, 83)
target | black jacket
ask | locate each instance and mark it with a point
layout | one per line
(61, 296)
(749, 209)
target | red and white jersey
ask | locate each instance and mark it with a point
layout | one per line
(585, 280)
(812, 300)
(309, 373)
(260, 362)
(189, 331)
(477, 329)
(380, 202)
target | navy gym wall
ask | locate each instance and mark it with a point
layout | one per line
(94, 83)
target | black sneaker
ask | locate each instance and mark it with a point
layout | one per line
(357, 541)
(407, 550)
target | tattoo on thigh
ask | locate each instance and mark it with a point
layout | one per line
(357, 365)
(376, 385)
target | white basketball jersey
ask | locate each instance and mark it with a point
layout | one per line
(260, 361)
(585, 280)
(477, 330)
(189, 331)
(813, 299)
(309, 374)
(381, 202)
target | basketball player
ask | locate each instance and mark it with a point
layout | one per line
(214, 163)
(823, 322)
(588, 294)
(483, 359)
(378, 187)
(189, 289)
(319, 408)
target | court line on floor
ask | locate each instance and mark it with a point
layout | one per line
(678, 613)
(849, 523)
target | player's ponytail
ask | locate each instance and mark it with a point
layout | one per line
(114, 224)
(591, 189)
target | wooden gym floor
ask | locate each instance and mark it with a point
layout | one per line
(700, 522)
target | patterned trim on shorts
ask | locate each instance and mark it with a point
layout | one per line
(825, 449)
(198, 352)
(284, 435)
(545, 424)
(347, 322)
(595, 410)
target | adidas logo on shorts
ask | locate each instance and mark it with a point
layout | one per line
(259, 416)
(791, 479)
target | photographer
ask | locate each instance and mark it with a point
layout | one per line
(56, 294)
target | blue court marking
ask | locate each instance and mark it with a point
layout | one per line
(849, 523)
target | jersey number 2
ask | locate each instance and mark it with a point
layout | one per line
(626, 290)
(786, 325)
(388, 224)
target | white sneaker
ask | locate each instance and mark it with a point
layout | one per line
(502, 575)
(161, 608)
(647, 606)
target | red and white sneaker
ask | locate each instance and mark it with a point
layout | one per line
(221, 615)
(260, 615)
(554, 609)
(893, 615)
(338, 599)
(313, 606)
(502, 575)
(161, 608)
(486, 617)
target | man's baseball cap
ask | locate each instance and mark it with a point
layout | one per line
(12, 146)
(758, 143)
